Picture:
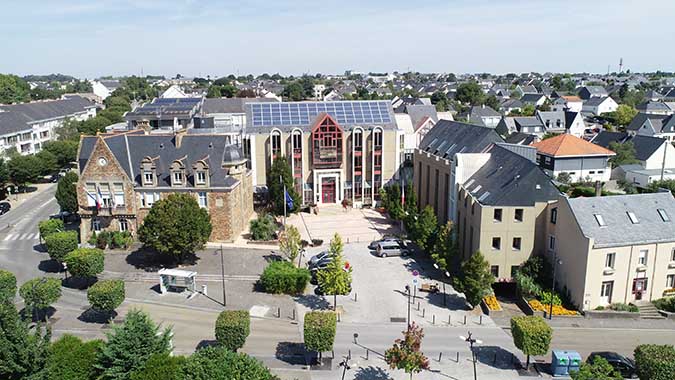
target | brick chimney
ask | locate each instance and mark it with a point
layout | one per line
(598, 189)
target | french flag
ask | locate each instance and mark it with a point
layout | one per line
(99, 198)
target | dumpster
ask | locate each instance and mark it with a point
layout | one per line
(574, 361)
(561, 361)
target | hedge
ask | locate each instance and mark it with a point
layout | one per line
(665, 304)
(7, 285)
(232, 328)
(655, 362)
(106, 295)
(85, 262)
(50, 226)
(319, 330)
(59, 244)
(282, 277)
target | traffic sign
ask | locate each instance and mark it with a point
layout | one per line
(415, 273)
(414, 281)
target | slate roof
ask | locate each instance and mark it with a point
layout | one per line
(567, 145)
(483, 111)
(521, 138)
(619, 230)
(596, 90)
(229, 105)
(132, 148)
(652, 106)
(645, 146)
(556, 119)
(531, 98)
(419, 113)
(18, 117)
(604, 138)
(595, 101)
(447, 138)
(641, 118)
(508, 179)
(512, 103)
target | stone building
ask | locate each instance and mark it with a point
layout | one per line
(122, 175)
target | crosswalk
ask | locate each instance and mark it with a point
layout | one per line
(22, 236)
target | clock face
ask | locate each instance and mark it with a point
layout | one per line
(102, 161)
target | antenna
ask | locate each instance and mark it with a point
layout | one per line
(620, 65)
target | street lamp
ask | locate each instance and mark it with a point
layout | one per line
(345, 365)
(407, 290)
(556, 262)
(445, 303)
(222, 272)
(471, 342)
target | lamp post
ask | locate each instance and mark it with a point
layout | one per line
(345, 365)
(407, 290)
(556, 262)
(444, 294)
(471, 340)
(222, 271)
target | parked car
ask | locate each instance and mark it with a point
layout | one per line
(318, 257)
(319, 291)
(624, 365)
(5, 207)
(319, 266)
(392, 248)
(374, 243)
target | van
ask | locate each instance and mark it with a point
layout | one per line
(392, 248)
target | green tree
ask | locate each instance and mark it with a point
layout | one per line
(66, 192)
(85, 262)
(4, 174)
(531, 335)
(283, 277)
(64, 151)
(72, 359)
(665, 184)
(22, 353)
(214, 92)
(624, 114)
(319, 331)
(60, 244)
(475, 279)
(68, 131)
(161, 367)
(13, 89)
(39, 293)
(335, 279)
(232, 329)
(492, 102)
(218, 363)
(282, 169)
(599, 370)
(7, 286)
(528, 110)
(50, 226)
(655, 362)
(130, 345)
(106, 295)
(48, 162)
(406, 353)
(445, 247)
(625, 154)
(290, 242)
(293, 91)
(176, 226)
(24, 169)
(426, 228)
(263, 227)
(94, 125)
(470, 93)
(229, 90)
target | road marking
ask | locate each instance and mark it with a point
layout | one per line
(24, 236)
(8, 237)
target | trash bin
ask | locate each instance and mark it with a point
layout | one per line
(574, 361)
(560, 363)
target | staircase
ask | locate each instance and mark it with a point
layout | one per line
(648, 310)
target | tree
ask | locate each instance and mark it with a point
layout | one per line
(290, 242)
(229, 90)
(655, 362)
(336, 278)
(60, 244)
(232, 329)
(94, 125)
(22, 353)
(624, 114)
(319, 331)
(161, 367)
(106, 295)
(39, 293)
(48, 162)
(283, 277)
(130, 345)
(218, 363)
(492, 102)
(13, 89)
(406, 354)
(470, 93)
(7, 286)
(263, 227)
(531, 335)
(72, 359)
(176, 226)
(600, 369)
(85, 262)
(665, 184)
(475, 279)
(445, 247)
(426, 227)
(282, 169)
(65, 151)
(4, 174)
(214, 92)
(68, 131)
(50, 226)
(24, 169)
(625, 154)
(66, 192)
(293, 91)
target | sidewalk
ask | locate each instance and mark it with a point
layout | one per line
(17, 199)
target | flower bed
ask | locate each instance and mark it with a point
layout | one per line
(536, 305)
(669, 292)
(492, 303)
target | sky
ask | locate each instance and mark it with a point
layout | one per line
(92, 38)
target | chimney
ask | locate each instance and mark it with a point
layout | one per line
(179, 137)
(598, 189)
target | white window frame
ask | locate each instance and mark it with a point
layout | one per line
(148, 177)
(643, 256)
(200, 178)
(118, 194)
(177, 178)
(124, 225)
(670, 281)
(610, 259)
(203, 199)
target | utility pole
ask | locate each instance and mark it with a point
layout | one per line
(407, 289)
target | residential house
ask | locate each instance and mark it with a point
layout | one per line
(572, 103)
(662, 126)
(174, 92)
(599, 106)
(562, 122)
(104, 88)
(520, 124)
(580, 159)
(416, 122)
(521, 90)
(122, 175)
(509, 105)
(614, 249)
(483, 115)
(533, 99)
(164, 114)
(588, 92)
(654, 108)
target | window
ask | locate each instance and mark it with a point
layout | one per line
(514, 270)
(606, 290)
(547, 160)
(551, 243)
(554, 215)
(377, 139)
(201, 177)
(118, 188)
(148, 178)
(664, 215)
(496, 243)
(497, 215)
(377, 160)
(642, 257)
(672, 255)
(297, 142)
(495, 270)
(518, 216)
(148, 199)
(358, 140)
(609, 260)
(516, 243)
(591, 172)
(276, 143)
(633, 218)
(466, 200)
(600, 171)
(177, 178)
(96, 225)
(202, 199)
(600, 220)
(670, 281)
(124, 225)
(106, 198)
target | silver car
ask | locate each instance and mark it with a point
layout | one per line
(392, 248)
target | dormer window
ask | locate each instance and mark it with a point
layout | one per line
(148, 178)
(177, 178)
(177, 174)
(200, 177)
(201, 173)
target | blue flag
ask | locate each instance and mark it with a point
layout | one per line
(289, 200)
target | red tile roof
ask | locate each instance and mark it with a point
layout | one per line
(569, 145)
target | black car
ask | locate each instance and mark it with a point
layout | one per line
(624, 365)
(5, 207)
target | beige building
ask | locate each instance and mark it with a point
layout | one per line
(614, 249)
(337, 150)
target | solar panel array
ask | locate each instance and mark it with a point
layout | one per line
(169, 106)
(304, 113)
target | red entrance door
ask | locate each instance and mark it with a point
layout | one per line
(328, 190)
(639, 287)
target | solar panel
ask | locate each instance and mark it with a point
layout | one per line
(304, 113)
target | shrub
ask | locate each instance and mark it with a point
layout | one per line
(72, 359)
(85, 262)
(161, 367)
(665, 304)
(122, 239)
(7, 285)
(655, 362)
(583, 191)
(282, 277)
(263, 227)
(40, 293)
(103, 240)
(547, 297)
(106, 295)
(539, 269)
(624, 307)
(531, 335)
(50, 226)
(59, 244)
(218, 363)
(319, 330)
(526, 285)
(232, 328)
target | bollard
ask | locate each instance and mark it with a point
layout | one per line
(480, 322)
(356, 296)
(278, 312)
(423, 310)
(440, 355)
(433, 319)
(465, 320)
(449, 318)
(418, 306)
(294, 314)
(338, 315)
(457, 356)
(367, 350)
